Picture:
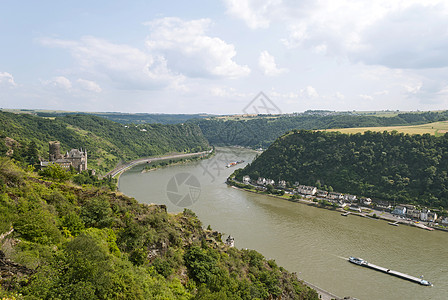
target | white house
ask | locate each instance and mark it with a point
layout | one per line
(306, 190)
(424, 214)
(321, 193)
(246, 179)
(261, 181)
(349, 198)
(270, 181)
(366, 201)
(282, 184)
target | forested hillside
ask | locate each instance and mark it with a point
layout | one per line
(61, 241)
(388, 166)
(107, 142)
(262, 131)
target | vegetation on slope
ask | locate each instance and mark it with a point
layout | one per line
(261, 132)
(70, 242)
(387, 165)
(107, 142)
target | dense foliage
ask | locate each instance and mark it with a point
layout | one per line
(107, 142)
(262, 131)
(88, 243)
(388, 165)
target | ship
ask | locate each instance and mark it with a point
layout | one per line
(234, 163)
(364, 263)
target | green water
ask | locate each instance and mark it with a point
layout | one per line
(311, 241)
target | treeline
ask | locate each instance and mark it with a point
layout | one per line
(107, 142)
(129, 118)
(60, 241)
(388, 166)
(262, 131)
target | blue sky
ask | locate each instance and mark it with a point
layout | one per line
(216, 56)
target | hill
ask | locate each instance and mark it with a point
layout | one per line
(107, 142)
(261, 131)
(61, 241)
(385, 165)
(436, 128)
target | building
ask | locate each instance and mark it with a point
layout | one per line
(306, 190)
(399, 210)
(321, 193)
(335, 196)
(246, 179)
(350, 198)
(282, 184)
(74, 158)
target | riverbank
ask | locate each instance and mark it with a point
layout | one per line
(126, 166)
(372, 214)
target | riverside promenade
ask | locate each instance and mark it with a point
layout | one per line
(126, 166)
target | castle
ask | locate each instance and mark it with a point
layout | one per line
(75, 158)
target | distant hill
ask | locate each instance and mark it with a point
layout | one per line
(436, 128)
(123, 118)
(261, 131)
(107, 142)
(385, 165)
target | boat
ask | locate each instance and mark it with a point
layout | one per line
(357, 261)
(393, 223)
(234, 163)
(345, 214)
(364, 263)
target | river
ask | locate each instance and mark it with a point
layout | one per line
(311, 241)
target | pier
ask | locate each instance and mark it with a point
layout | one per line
(363, 263)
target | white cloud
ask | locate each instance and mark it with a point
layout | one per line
(6, 79)
(396, 34)
(188, 50)
(254, 12)
(267, 63)
(59, 82)
(126, 67)
(339, 96)
(309, 92)
(88, 85)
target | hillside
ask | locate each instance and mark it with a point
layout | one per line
(69, 242)
(385, 165)
(107, 142)
(262, 131)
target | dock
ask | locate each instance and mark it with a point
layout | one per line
(363, 263)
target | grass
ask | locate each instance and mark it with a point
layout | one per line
(436, 128)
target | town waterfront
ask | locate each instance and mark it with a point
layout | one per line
(311, 241)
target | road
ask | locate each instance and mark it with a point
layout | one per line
(132, 163)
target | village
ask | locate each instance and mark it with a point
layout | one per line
(401, 213)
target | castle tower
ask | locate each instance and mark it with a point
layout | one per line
(54, 150)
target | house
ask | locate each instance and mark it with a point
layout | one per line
(413, 213)
(321, 193)
(296, 184)
(335, 196)
(399, 210)
(282, 184)
(349, 198)
(424, 214)
(366, 201)
(444, 221)
(382, 205)
(261, 181)
(432, 216)
(75, 158)
(270, 181)
(246, 179)
(306, 190)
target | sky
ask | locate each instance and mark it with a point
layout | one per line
(204, 56)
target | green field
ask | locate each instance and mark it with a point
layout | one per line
(436, 128)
